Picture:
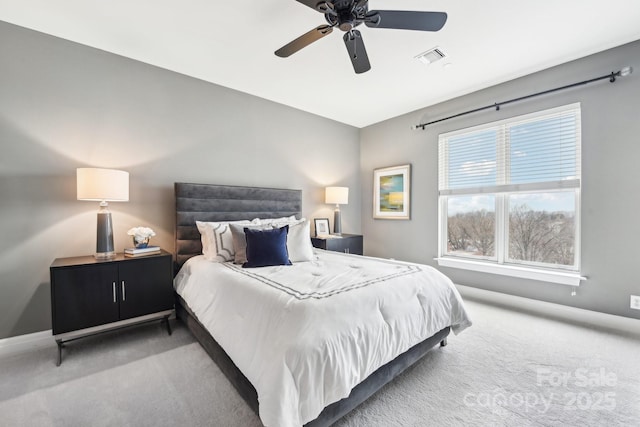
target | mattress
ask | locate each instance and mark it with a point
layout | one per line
(305, 335)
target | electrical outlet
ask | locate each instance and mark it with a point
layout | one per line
(635, 302)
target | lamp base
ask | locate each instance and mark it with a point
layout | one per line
(104, 255)
(337, 223)
(104, 234)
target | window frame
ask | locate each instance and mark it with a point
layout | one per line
(563, 274)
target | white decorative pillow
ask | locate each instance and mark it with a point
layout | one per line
(299, 242)
(217, 241)
(280, 221)
(204, 237)
(240, 240)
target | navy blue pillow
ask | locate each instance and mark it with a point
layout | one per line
(266, 247)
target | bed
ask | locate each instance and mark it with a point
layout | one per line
(298, 383)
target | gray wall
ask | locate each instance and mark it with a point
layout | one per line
(610, 201)
(63, 106)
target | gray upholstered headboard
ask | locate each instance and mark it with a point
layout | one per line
(207, 202)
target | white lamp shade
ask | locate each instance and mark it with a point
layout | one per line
(102, 184)
(337, 195)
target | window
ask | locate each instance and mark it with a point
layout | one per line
(509, 195)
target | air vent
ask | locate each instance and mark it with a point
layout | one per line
(430, 56)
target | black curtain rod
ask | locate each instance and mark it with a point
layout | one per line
(612, 78)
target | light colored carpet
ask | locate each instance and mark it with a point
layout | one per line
(510, 368)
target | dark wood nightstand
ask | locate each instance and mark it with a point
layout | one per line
(89, 296)
(348, 243)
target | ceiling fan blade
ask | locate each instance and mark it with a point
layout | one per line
(304, 41)
(406, 20)
(357, 52)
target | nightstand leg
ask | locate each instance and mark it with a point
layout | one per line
(59, 361)
(166, 319)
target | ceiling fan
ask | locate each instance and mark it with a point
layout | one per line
(348, 14)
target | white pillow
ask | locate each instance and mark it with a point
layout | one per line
(299, 242)
(282, 220)
(217, 241)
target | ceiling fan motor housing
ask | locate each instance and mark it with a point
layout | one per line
(346, 14)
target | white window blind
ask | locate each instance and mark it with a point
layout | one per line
(537, 151)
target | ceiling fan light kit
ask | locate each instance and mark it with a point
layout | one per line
(348, 14)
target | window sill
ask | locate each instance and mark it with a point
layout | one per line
(550, 276)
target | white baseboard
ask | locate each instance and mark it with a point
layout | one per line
(595, 318)
(23, 343)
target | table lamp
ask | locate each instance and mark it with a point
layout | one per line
(338, 196)
(103, 185)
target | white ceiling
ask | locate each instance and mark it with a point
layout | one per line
(231, 43)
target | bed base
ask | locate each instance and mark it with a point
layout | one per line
(336, 410)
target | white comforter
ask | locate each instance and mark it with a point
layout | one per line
(305, 335)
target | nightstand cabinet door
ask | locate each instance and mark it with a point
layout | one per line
(145, 286)
(84, 296)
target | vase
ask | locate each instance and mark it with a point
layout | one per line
(140, 242)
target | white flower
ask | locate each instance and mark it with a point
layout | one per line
(141, 232)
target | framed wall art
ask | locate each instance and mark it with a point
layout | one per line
(391, 192)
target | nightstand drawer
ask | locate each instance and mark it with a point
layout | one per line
(348, 243)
